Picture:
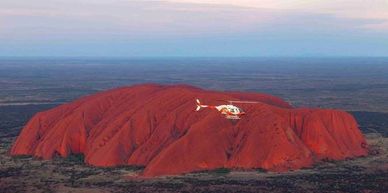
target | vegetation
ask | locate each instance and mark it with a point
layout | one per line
(220, 171)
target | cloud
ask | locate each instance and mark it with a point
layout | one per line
(355, 9)
(60, 19)
(189, 26)
(132, 18)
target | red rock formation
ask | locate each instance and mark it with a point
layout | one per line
(156, 126)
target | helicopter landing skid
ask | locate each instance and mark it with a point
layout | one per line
(232, 117)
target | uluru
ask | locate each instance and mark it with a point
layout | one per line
(156, 126)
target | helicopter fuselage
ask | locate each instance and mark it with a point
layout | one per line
(230, 111)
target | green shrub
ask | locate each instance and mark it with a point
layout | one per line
(220, 171)
(75, 158)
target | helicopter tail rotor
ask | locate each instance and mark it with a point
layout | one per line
(199, 105)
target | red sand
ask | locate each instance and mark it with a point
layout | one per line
(156, 126)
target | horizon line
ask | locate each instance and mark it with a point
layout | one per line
(178, 57)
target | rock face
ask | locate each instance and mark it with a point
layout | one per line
(156, 126)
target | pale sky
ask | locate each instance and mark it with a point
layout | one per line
(139, 28)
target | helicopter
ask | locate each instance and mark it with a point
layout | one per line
(230, 111)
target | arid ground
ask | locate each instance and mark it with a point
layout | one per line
(346, 84)
(27, 174)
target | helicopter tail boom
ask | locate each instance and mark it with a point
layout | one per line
(199, 105)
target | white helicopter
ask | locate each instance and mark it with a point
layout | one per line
(230, 111)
